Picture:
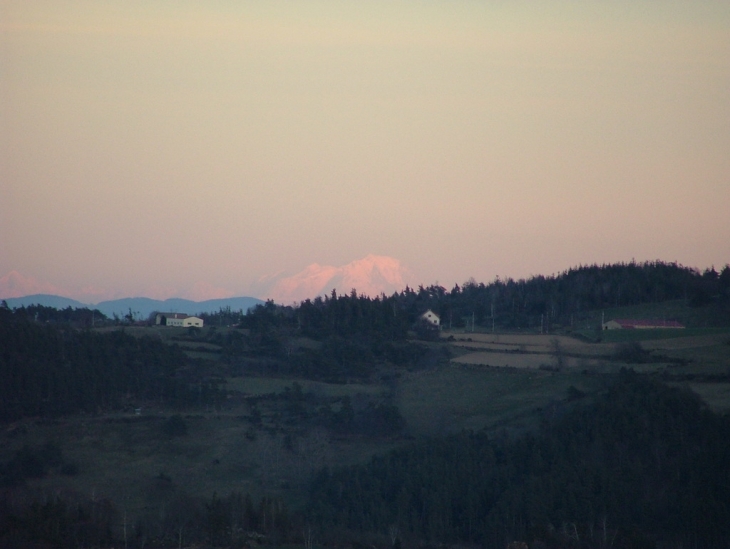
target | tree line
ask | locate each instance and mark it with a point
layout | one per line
(71, 521)
(509, 303)
(54, 369)
(76, 317)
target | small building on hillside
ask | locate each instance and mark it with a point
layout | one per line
(640, 324)
(431, 318)
(193, 321)
(182, 320)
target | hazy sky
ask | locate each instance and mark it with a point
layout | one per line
(146, 147)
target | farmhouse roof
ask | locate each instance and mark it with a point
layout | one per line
(175, 315)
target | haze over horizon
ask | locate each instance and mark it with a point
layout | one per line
(200, 150)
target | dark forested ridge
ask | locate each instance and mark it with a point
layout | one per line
(558, 298)
(644, 466)
(54, 369)
(511, 304)
(80, 317)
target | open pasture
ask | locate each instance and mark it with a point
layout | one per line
(523, 360)
(623, 336)
(531, 343)
(450, 399)
(703, 355)
(506, 360)
(529, 351)
(257, 386)
(690, 341)
(716, 395)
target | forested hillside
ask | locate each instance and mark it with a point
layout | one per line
(54, 369)
(512, 304)
(641, 466)
(557, 298)
(644, 466)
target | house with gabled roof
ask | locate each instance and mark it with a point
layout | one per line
(431, 318)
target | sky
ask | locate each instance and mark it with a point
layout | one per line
(180, 147)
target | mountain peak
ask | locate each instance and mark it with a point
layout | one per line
(15, 284)
(372, 275)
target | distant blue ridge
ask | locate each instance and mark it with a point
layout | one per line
(141, 306)
(55, 301)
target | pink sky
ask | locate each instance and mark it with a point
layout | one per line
(190, 149)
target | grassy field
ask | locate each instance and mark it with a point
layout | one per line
(266, 385)
(699, 355)
(450, 399)
(716, 395)
(621, 336)
(532, 361)
(528, 343)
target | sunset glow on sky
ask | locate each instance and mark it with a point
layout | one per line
(163, 148)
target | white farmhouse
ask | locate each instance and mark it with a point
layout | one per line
(431, 318)
(193, 321)
(178, 319)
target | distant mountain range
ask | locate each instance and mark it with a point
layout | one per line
(371, 275)
(141, 307)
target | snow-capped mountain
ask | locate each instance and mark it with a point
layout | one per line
(371, 275)
(15, 284)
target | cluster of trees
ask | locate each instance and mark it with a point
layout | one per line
(335, 316)
(34, 462)
(50, 369)
(644, 465)
(270, 344)
(69, 521)
(59, 522)
(79, 317)
(224, 316)
(557, 299)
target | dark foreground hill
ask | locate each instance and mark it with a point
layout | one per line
(644, 466)
(641, 466)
